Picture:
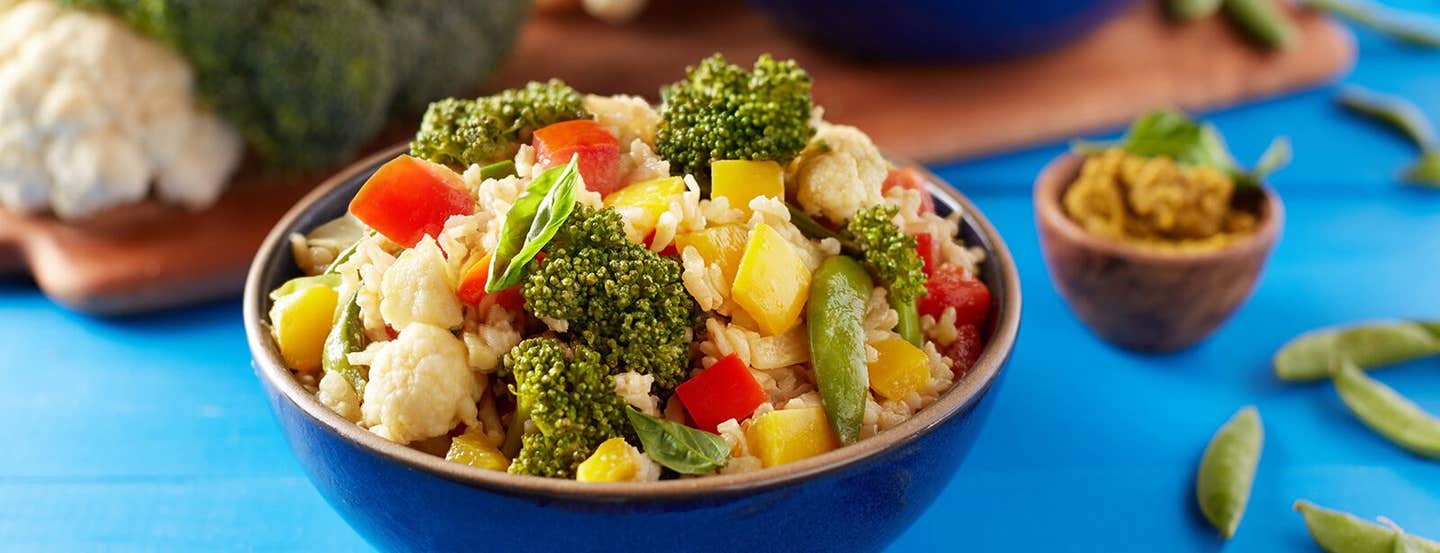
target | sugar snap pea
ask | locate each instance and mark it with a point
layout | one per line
(1309, 356)
(1264, 21)
(1387, 412)
(835, 316)
(1408, 27)
(1425, 171)
(1338, 532)
(1227, 470)
(1405, 117)
(346, 336)
(1191, 10)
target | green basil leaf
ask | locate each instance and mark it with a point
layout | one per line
(678, 447)
(297, 284)
(1175, 135)
(532, 222)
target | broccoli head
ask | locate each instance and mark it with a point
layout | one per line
(570, 397)
(721, 111)
(617, 297)
(443, 48)
(490, 128)
(888, 252)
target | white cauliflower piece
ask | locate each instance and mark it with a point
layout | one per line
(420, 386)
(418, 289)
(337, 394)
(92, 114)
(839, 172)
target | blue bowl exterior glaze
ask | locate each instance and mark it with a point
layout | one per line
(942, 30)
(858, 498)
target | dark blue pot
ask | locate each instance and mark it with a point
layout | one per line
(857, 498)
(942, 30)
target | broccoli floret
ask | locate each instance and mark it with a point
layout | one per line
(889, 253)
(721, 111)
(463, 132)
(617, 297)
(459, 43)
(570, 397)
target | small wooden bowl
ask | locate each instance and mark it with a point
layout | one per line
(1143, 298)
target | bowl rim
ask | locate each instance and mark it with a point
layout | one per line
(1059, 174)
(959, 398)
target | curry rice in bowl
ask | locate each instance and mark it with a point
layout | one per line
(407, 398)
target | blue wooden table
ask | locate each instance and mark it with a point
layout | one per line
(151, 432)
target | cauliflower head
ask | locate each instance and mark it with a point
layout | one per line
(839, 172)
(417, 288)
(420, 386)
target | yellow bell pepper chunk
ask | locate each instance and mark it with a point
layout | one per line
(742, 180)
(772, 282)
(300, 321)
(722, 245)
(789, 435)
(614, 461)
(900, 369)
(476, 449)
(651, 198)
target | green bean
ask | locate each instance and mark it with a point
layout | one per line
(1309, 356)
(1338, 532)
(499, 169)
(1264, 21)
(835, 317)
(1387, 412)
(1227, 470)
(1191, 10)
(346, 336)
(1392, 110)
(1408, 27)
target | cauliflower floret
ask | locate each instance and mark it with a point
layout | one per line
(839, 172)
(337, 394)
(420, 386)
(418, 289)
(197, 174)
(95, 170)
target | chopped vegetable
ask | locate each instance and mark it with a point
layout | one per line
(836, 322)
(893, 257)
(771, 282)
(489, 129)
(910, 178)
(789, 435)
(597, 150)
(614, 461)
(616, 297)
(569, 397)
(649, 198)
(475, 449)
(740, 181)
(678, 447)
(723, 246)
(899, 370)
(300, 321)
(531, 223)
(722, 392)
(346, 336)
(472, 288)
(954, 286)
(966, 348)
(498, 170)
(408, 198)
(721, 111)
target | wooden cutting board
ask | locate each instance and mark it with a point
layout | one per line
(150, 256)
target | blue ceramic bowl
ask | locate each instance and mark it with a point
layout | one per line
(942, 30)
(857, 498)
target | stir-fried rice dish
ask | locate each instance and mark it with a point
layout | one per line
(596, 288)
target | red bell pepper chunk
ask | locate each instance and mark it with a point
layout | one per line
(408, 198)
(953, 286)
(965, 350)
(929, 251)
(722, 392)
(908, 177)
(472, 288)
(599, 152)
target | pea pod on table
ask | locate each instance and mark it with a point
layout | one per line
(1309, 356)
(1338, 532)
(835, 316)
(1265, 21)
(347, 336)
(1227, 470)
(1387, 412)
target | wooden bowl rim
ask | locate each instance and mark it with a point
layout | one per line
(1060, 173)
(958, 399)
